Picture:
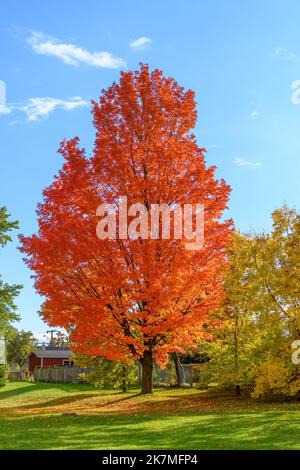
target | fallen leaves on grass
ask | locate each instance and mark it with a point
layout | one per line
(165, 402)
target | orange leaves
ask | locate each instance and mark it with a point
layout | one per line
(124, 296)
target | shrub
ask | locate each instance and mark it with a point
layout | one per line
(273, 378)
(112, 374)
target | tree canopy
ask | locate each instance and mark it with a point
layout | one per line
(8, 292)
(261, 313)
(131, 298)
(20, 346)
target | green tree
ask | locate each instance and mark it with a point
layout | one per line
(20, 346)
(60, 340)
(7, 292)
(3, 375)
(109, 374)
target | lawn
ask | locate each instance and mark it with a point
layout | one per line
(50, 416)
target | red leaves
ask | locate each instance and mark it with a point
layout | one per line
(122, 297)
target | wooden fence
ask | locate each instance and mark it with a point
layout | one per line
(60, 374)
(22, 375)
(192, 375)
(72, 374)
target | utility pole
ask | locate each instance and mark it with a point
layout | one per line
(52, 334)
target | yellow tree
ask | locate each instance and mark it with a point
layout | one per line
(262, 306)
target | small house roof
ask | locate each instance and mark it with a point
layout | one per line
(52, 353)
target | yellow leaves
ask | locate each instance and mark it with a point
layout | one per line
(272, 378)
(294, 388)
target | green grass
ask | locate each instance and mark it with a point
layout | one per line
(32, 417)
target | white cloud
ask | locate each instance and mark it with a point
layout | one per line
(41, 107)
(296, 94)
(285, 54)
(247, 163)
(72, 54)
(254, 115)
(140, 43)
(4, 109)
(36, 108)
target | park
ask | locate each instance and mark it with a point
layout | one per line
(149, 229)
(50, 416)
(226, 308)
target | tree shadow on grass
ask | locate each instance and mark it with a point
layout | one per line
(110, 431)
(72, 400)
(4, 394)
(198, 403)
(65, 400)
(58, 401)
(42, 386)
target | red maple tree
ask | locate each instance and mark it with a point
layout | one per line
(131, 298)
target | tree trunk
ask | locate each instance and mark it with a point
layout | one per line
(178, 368)
(124, 379)
(236, 352)
(147, 370)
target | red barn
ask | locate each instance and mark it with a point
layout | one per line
(49, 357)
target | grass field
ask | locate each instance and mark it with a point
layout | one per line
(50, 416)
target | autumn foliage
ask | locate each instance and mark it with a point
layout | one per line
(131, 299)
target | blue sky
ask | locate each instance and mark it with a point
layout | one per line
(240, 58)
